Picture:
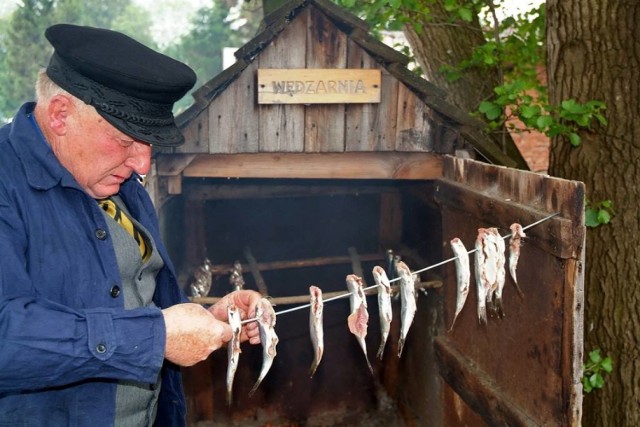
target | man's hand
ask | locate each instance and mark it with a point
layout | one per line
(192, 333)
(246, 301)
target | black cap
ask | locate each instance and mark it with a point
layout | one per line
(132, 86)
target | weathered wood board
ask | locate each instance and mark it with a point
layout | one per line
(318, 86)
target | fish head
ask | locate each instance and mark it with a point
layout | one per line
(517, 230)
(353, 282)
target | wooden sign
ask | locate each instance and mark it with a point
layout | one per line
(318, 86)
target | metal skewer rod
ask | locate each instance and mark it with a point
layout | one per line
(346, 294)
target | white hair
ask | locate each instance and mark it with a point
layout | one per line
(47, 89)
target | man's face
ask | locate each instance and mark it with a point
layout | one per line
(98, 155)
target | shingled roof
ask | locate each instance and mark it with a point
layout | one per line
(391, 60)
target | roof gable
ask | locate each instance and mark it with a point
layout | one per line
(320, 34)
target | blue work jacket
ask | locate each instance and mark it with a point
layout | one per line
(65, 337)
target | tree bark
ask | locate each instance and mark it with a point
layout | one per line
(593, 54)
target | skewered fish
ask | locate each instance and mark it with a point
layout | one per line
(235, 276)
(266, 318)
(463, 275)
(233, 348)
(316, 327)
(498, 287)
(407, 302)
(514, 252)
(202, 278)
(384, 306)
(359, 317)
(485, 270)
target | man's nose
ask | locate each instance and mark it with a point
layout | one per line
(139, 158)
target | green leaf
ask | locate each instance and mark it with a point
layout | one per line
(603, 217)
(528, 111)
(607, 364)
(544, 122)
(591, 218)
(594, 356)
(465, 14)
(490, 110)
(599, 381)
(574, 138)
(571, 106)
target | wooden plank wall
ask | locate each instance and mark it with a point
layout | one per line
(234, 122)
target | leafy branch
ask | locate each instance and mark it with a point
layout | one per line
(594, 370)
(599, 213)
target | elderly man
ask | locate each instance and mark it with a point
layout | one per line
(93, 324)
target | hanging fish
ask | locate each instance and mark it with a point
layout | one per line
(202, 279)
(463, 275)
(359, 317)
(235, 276)
(316, 327)
(517, 235)
(498, 241)
(384, 306)
(266, 318)
(485, 269)
(233, 348)
(407, 302)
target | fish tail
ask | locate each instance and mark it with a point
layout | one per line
(255, 387)
(518, 288)
(380, 350)
(312, 369)
(453, 322)
(499, 308)
(482, 315)
(368, 364)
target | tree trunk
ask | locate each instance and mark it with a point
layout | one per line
(593, 54)
(438, 43)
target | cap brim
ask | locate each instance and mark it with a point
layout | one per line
(162, 136)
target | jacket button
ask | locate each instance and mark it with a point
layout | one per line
(115, 291)
(101, 234)
(101, 348)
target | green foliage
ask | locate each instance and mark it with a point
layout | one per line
(594, 369)
(23, 53)
(25, 50)
(565, 119)
(597, 214)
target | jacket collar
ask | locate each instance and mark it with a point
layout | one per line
(43, 170)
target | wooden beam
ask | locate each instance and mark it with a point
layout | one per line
(230, 190)
(172, 164)
(352, 165)
(220, 269)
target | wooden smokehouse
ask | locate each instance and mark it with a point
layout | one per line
(318, 154)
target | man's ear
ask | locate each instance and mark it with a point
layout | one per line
(58, 111)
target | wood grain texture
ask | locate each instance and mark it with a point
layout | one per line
(318, 165)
